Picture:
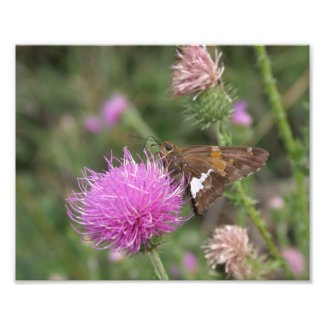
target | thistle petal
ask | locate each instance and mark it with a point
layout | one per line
(126, 206)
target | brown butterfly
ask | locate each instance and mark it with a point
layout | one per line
(207, 169)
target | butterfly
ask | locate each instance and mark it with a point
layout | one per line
(207, 169)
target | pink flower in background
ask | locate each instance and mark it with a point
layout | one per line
(113, 109)
(190, 262)
(229, 246)
(126, 206)
(240, 116)
(295, 259)
(175, 271)
(276, 202)
(195, 70)
(93, 124)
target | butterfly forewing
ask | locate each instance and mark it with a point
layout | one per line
(208, 169)
(242, 161)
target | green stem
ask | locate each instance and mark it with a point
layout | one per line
(301, 216)
(133, 119)
(249, 205)
(157, 264)
(260, 225)
(37, 217)
(275, 100)
(255, 216)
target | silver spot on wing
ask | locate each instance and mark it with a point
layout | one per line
(197, 183)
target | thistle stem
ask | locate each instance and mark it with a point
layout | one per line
(133, 119)
(247, 202)
(275, 99)
(157, 264)
(260, 225)
(301, 217)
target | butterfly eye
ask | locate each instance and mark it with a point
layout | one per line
(168, 147)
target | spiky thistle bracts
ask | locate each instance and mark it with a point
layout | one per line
(212, 106)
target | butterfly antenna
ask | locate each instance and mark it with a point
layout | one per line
(145, 143)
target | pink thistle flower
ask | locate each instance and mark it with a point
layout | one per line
(195, 71)
(295, 259)
(113, 109)
(126, 206)
(93, 124)
(240, 116)
(229, 246)
(175, 271)
(190, 262)
(276, 202)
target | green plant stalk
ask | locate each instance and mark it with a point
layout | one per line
(301, 215)
(157, 264)
(301, 218)
(132, 118)
(258, 221)
(53, 239)
(247, 202)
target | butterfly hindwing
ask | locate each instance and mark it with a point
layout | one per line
(204, 186)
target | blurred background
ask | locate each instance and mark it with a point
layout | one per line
(72, 111)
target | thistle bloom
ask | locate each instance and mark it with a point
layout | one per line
(197, 75)
(113, 109)
(240, 116)
(175, 271)
(276, 202)
(126, 206)
(295, 259)
(190, 262)
(93, 124)
(195, 71)
(229, 246)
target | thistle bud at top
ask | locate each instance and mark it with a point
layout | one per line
(197, 75)
(212, 106)
(195, 71)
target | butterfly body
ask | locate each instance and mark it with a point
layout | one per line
(207, 169)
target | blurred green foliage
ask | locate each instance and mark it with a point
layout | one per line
(59, 86)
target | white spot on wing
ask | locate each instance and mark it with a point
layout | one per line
(197, 183)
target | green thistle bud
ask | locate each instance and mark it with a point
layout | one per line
(211, 106)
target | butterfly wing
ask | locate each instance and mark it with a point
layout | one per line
(205, 185)
(242, 161)
(209, 168)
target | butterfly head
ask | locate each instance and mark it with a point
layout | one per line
(166, 148)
